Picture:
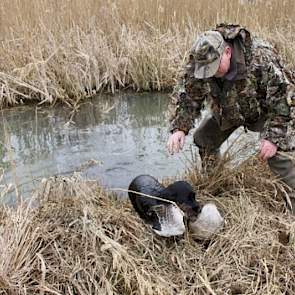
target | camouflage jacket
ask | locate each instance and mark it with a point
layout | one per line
(257, 86)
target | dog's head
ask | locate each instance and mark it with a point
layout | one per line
(181, 192)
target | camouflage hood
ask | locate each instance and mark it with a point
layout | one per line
(231, 32)
(239, 37)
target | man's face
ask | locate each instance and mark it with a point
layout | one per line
(224, 63)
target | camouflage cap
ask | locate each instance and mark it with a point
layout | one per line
(207, 52)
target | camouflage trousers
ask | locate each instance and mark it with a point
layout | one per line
(209, 137)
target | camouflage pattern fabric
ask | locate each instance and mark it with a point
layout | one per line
(266, 88)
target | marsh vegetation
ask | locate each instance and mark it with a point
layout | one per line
(65, 51)
(72, 236)
(75, 238)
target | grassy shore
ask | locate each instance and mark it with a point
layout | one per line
(80, 240)
(65, 51)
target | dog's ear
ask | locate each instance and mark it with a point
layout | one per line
(150, 213)
(169, 194)
(192, 195)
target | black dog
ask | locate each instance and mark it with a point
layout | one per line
(179, 192)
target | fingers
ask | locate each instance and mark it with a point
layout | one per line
(267, 150)
(175, 142)
(170, 145)
(269, 153)
(182, 142)
(262, 150)
(173, 145)
(176, 146)
(265, 154)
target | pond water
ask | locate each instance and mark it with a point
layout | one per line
(110, 139)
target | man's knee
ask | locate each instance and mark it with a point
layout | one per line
(205, 135)
(203, 141)
(209, 137)
(283, 165)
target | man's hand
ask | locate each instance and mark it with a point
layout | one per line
(267, 149)
(175, 142)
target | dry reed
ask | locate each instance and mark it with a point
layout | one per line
(67, 50)
(78, 239)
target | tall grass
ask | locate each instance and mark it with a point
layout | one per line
(66, 50)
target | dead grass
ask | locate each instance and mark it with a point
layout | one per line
(80, 240)
(67, 50)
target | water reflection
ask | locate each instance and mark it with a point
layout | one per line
(110, 139)
(123, 136)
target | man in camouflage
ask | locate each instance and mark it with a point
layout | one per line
(248, 86)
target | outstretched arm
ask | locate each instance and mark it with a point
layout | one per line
(186, 103)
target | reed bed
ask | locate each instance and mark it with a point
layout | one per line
(74, 237)
(63, 51)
